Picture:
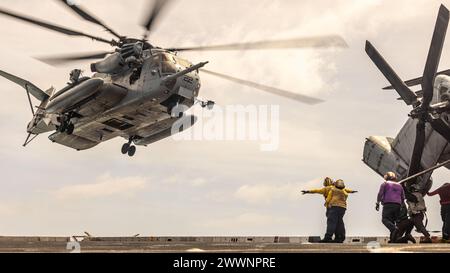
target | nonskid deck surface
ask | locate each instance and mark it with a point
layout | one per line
(272, 244)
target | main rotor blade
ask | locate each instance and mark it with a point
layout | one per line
(53, 26)
(441, 127)
(434, 55)
(156, 11)
(405, 93)
(88, 17)
(58, 60)
(272, 90)
(416, 156)
(440, 165)
(418, 81)
(306, 42)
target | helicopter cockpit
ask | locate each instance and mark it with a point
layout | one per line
(442, 88)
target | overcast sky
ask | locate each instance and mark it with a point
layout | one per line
(216, 187)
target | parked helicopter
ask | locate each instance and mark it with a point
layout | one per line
(136, 89)
(423, 144)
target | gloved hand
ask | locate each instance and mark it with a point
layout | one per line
(305, 192)
(377, 206)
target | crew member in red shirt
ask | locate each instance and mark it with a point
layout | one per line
(444, 194)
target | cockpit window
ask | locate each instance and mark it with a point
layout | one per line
(183, 62)
(168, 64)
(166, 58)
(168, 68)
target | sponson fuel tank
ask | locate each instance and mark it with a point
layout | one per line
(108, 96)
(73, 96)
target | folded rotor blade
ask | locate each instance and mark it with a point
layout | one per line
(441, 127)
(156, 11)
(418, 81)
(416, 156)
(440, 165)
(434, 55)
(272, 90)
(307, 42)
(58, 60)
(408, 96)
(53, 26)
(88, 17)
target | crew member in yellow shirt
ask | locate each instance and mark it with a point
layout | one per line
(336, 204)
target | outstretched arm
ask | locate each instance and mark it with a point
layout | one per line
(350, 191)
(319, 191)
(434, 192)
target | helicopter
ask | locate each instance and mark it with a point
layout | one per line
(423, 144)
(137, 91)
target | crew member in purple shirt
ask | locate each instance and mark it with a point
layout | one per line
(391, 196)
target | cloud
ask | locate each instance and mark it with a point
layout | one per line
(185, 181)
(267, 193)
(104, 186)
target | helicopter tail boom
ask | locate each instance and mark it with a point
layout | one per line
(28, 86)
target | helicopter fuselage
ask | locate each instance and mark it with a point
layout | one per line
(137, 100)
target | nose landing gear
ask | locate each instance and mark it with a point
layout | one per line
(129, 148)
(66, 127)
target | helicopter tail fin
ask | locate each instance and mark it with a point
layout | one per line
(28, 86)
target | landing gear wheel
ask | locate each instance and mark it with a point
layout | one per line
(132, 150)
(70, 129)
(125, 148)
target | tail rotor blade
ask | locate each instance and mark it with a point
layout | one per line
(408, 96)
(434, 55)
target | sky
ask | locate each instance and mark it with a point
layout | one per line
(216, 187)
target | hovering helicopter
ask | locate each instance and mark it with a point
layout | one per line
(422, 145)
(136, 89)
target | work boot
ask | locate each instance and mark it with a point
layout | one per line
(410, 238)
(393, 237)
(326, 240)
(427, 240)
(445, 241)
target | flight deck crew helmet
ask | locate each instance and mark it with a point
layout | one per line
(327, 182)
(339, 184)
(390, 176)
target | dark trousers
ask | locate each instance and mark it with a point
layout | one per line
(335, 224)
(390, 214)
(418, 223)
(404, 229)
(445, 214)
